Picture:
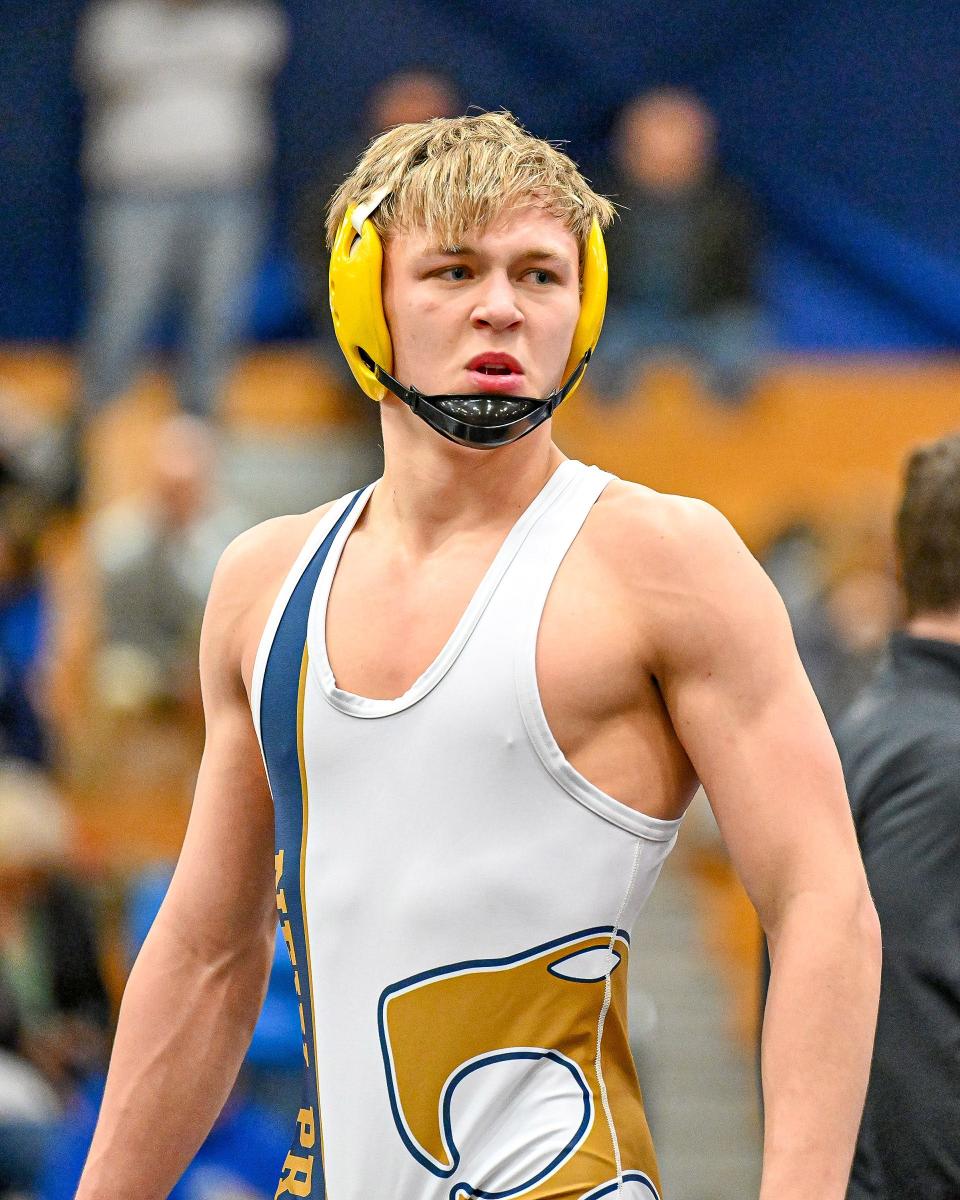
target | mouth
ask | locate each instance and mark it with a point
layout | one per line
(495, 372)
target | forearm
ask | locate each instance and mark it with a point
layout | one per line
(817, 1041)
(185, 1025)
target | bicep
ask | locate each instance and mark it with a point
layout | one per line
(223, 884)
(222, 892)
(747, 717)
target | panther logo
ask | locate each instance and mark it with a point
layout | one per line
(491, 1070)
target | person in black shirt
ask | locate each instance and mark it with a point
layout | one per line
(684, 256)
(900, 747)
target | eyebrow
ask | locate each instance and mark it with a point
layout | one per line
(538, 253)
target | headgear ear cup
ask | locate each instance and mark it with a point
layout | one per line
(356, 301)
(593, 302)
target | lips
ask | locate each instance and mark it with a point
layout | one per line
(495, 372)
(495, 363)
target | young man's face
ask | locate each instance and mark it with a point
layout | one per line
(494, 314)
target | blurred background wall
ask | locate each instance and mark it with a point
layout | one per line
(840, 117)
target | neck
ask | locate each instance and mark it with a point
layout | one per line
(940, 627)
(433, 488)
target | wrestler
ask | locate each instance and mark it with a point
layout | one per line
(483, 691)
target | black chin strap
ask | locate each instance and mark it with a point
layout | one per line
(481, 420)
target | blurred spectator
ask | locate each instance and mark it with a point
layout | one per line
(683, 254)
(30, 449)
(407, 96)
(23, 623)
(841, 636)
(156, 555)
(795, 563)
(842, 601)
(29, 1109)
(900, 747)
(177, 146)
(53, 1003)
(242, 1157)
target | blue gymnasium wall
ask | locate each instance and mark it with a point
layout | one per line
(841, 115)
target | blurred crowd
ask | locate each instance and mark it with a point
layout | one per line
(176, 159)
(177, 154)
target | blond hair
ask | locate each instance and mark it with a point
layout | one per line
(452, 174)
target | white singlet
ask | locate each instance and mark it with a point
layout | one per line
(456, 899)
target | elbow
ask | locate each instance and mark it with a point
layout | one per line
(843, 917)
(858, 927)
(868, 929)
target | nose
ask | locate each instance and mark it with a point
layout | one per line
(496, 305)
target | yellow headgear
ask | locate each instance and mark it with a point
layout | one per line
(356, 298)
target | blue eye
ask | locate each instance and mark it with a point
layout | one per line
(457, 274)
(543, 276)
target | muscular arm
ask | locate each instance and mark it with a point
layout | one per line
(197, 986)
(741, 705)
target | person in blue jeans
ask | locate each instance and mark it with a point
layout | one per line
(177, 146)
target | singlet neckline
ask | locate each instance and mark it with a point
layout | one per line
(365, 706)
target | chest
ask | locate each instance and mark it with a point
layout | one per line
(387, 622)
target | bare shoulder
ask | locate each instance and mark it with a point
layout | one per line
(673, 534)
(681, 562)
(248, 578)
